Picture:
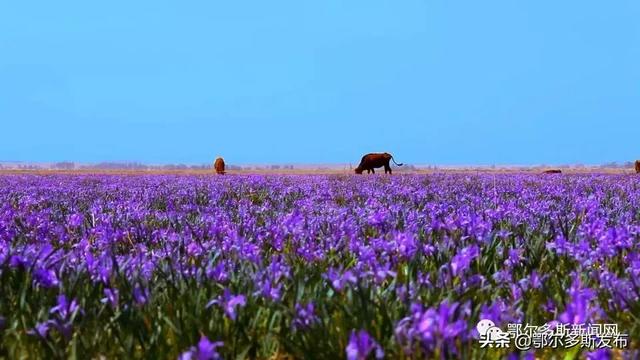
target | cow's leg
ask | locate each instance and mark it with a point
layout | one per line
(373, 171)
(387, 169)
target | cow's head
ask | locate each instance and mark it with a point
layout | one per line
(358, 170)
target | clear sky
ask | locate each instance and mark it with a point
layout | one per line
(296, 81)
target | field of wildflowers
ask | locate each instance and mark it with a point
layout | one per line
(326, 267)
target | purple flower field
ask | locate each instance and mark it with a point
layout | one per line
(326, 267)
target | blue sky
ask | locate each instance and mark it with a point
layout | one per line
(433, 82)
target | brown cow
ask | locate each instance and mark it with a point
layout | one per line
(219, 166)
(637, 166)
(372, 161)
(553, 171)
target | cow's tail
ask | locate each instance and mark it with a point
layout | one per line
(394, 161)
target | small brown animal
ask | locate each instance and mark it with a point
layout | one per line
(553, 171)
(219, 166)
(375, 160)
(637, 166)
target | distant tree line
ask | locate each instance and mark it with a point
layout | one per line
(140, 166)
(284, 167)
(116, 166)
(65, 165)
(136, 166)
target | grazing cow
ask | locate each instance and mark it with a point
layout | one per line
(372, 161)
(553, 171)
(219, 166)
(637, 166)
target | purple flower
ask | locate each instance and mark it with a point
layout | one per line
(140, 295)
(65, 312)
(305, 317)
(600, 354)
(269, 291)
(16, 261)
(579, 310)
(218, 273)
(535, 280)
(361, 345)
(338, 281)
(75, 220)
(41, 329)
(514, 258)
(111, 297)
(378, 218)
(65, 309)
(229, 302)
(463, 259)
(46, 278)
(499, 312)
(406, 244)
(205, 350)
(502, 276)
(383, 271)
(330, 242)
(433, 328)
